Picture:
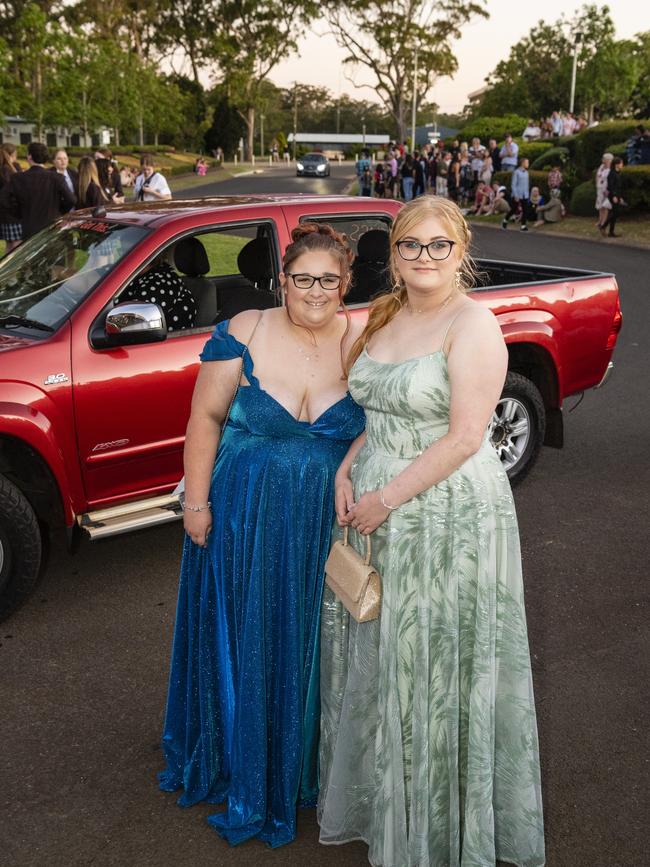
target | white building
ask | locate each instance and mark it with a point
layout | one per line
(332, 143)
(21, 131)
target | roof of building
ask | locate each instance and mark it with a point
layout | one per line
(339, 138)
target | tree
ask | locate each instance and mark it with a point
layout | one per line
(384, 35)
(250, 38)
(640, 96)
(227, 126)
(535, 78)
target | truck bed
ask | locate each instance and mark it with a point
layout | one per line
(505, 275)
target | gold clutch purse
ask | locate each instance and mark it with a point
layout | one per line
(353, 579)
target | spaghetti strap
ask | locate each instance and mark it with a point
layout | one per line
(444, 339)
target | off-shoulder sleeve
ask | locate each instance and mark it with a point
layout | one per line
(221, 346)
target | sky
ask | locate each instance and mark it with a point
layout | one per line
(483, 44)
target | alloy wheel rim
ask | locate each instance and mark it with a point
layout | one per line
(510, 430)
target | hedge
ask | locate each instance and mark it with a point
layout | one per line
(92, 149)
(617, 150)
(553, 156)
(636, 187)
(583, 200)
(636, 192)
(492, 127)
(592, 143)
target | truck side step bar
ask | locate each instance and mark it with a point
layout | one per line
(130, 516)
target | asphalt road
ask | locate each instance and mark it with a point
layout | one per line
(83, 666)
(274, 179)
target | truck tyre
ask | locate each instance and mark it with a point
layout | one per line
(518, 425)
(20, 548)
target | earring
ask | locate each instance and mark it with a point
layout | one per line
(457, 279)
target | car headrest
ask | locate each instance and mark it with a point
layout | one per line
(190, 257)
(374, 246)
(254, 261)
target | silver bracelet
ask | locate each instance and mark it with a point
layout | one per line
(187, 508)
(384, 503)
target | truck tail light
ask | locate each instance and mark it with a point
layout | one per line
(617, 322)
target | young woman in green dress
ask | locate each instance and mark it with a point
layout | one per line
(428, 735)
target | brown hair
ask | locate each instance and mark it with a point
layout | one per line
(6, 152)
(147, 160)
(383, 308)
(87, 176)
(313, 237)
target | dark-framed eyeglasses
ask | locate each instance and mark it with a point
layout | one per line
(438, 249)
(329, 282)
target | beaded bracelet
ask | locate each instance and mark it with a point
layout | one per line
(384, 503)
(187, 508)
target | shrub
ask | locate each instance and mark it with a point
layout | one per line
(636, 187)
(583, 200)
(592, 143)
(617, 150)
(492, 127)
(532, 149)
(552, 156)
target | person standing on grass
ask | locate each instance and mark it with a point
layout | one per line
(61, 164)
(495, 153)
(37, 197)
(150, 185)
(603, 204)
(554, 179)
(520, 195)
(509, 154)
(614, 192)
(11, 231)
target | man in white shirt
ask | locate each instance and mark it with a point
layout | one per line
(509, 154)
(532, 131)
(150, 185)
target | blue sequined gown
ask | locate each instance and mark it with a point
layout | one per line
(243, 708)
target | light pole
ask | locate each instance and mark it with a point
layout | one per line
(415, 97)
(577, 40)
(261, 135)
(295, 117)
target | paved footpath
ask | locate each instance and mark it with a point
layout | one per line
(83, 666)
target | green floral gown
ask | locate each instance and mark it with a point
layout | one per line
(428, 736)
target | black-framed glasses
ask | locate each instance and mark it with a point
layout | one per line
(329, 282)
(438, 249)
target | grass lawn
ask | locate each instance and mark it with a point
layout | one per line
(633, 229)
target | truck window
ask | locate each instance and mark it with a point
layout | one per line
(368, 238)
(47, 277)
(226, 270)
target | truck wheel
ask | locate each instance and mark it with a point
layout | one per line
(518, 425)
(20, 548)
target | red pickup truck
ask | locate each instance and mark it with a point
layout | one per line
(95, 391)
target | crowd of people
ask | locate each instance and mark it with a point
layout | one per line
(463, 172)
(558, 123)
(32, 199)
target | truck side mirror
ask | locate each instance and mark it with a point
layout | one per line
(132, 323)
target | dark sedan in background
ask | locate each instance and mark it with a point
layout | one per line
(314, 165)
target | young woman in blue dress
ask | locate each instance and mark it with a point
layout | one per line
(243, 709)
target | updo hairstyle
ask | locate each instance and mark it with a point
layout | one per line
(312, 237)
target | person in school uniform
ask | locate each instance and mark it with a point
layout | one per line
(150, 185)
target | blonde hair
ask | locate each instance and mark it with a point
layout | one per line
(386, 306)
(87, 176)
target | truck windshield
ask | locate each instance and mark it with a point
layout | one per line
(44, 279)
